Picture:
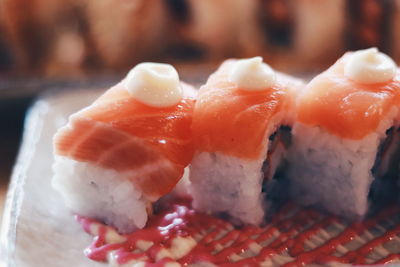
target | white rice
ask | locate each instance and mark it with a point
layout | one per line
(231, 185)
(226, 184)
(103, 194)
(334, 173)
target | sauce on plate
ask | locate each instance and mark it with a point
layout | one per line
(180, 236)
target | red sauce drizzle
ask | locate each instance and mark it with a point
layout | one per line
(287, 234)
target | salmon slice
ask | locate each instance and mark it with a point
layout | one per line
(344, 107)
(234, 121)
(152, 145)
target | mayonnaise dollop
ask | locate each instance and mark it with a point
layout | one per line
(154, 84)
(370, 66)
(252, 74)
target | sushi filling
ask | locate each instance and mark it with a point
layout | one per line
(275, 181)
(385, 171)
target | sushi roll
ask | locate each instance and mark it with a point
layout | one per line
(345, 139)
(316, 22)
(241, 134)
(217, 29)
(277, 22)
(117, 156)
(138, 28)
(369, 24)
(35, 30)
(395, 31)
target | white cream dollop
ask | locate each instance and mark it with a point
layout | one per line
(154, 84)
(370, 66)
(252, 74)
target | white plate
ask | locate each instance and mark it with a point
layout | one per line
(37, 228)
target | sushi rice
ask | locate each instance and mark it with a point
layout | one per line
(104, 194)
(333, 173)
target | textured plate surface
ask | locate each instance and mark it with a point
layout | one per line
(37, 228)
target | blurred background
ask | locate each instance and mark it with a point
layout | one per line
(77, 43)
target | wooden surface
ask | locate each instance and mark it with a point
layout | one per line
(3, 190)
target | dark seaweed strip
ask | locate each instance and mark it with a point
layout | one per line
(384, 188)
(275, 185)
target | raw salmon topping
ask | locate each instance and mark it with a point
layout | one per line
(234, 121)
(345, 107)
(167, 129)
(121, 133)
